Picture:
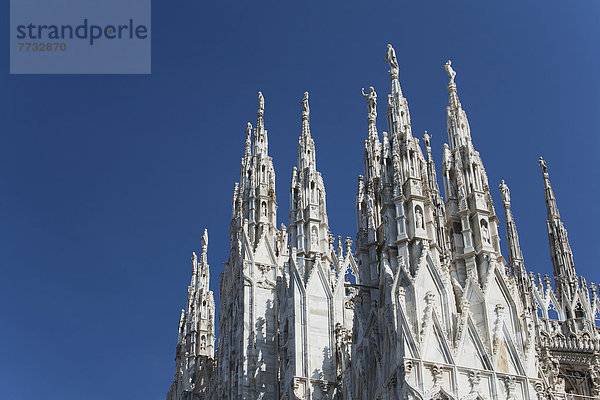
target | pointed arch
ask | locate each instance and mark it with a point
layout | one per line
(411, 391)
(441, 394)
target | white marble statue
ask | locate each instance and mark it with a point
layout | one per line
(371, 100)
(390, 57)
(451, 72)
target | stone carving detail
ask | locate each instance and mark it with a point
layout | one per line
(437, 373)
(474, 379)
(511, 384)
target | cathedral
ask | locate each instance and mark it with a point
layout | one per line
(421, 305)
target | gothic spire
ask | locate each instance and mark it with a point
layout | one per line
(459, 131)
(261, 110)
(248, 149)
(439, 210)
(261, 140)
(306, 144)
(398, 112)
(254, 197)
(514, 247)
(394, 71)
(454, 102)
(515, 256)
(194, 280)
(197, 321)
(308, 216)
(560, 249)
(551, 206)
(468, 192)
(305, 133)
(431, 173)
(204, 270)
(371, 97)
(372, 144)
(246, 165)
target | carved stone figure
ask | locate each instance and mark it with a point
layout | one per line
(543, 165)
(485, 233)
(371, 101)
(305, 106)
(427, 139)
(390, 57)
(451, 72)
(261, 104)
(204, 240)
(419, 218)
(505, 192)
(314, 237)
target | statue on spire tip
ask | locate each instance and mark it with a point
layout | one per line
(451, 72)
(248, 130)
(261, 103)
(505, 192)
(543, 165)
(305, 107)
(390, 57)
(427, 139)
(205, 239)
(371, 101)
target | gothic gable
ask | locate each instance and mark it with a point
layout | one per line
(471, 351)
(264, 253)
(434, 345)
(507, 359)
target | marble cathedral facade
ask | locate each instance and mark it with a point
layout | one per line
(425, 306)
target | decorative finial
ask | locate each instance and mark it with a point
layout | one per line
(348, 243)
(371, 102)
(361, 186)
(248, 130)
(543, 165)
(261, 104)
(451, 72)
(305, 107)
(390, 57)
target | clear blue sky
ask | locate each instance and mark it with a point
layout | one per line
(107, 182)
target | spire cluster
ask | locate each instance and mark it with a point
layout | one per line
(424, 307)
